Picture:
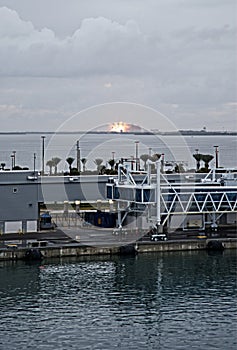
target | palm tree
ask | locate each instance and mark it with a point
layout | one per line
(206, 159)
(102, 170)
(84, 160)
(70, 160)
(50, 164)
(179, 168)
(198, 158)
(98, 162)
(144, 158)
(111, 162)
(56, 161)
(155, 157)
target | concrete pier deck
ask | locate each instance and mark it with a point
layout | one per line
(86, 241)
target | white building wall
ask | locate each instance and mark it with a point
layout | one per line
(13, 226)
(31, 226)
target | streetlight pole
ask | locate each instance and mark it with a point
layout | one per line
(34, 162)
(162, 162)
(217, 160)
(14, 158)
(43, 138)
(132, 160)
(136, 155)
(78, 157)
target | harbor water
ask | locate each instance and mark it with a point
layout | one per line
(106, 146)
(182, 300)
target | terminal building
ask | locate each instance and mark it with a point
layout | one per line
(139, 199)
(23, 193)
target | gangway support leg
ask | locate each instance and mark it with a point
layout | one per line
(214, 225)
(158, 218)
(119, 216)
(160, 229)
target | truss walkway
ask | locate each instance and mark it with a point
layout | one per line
(160, 199)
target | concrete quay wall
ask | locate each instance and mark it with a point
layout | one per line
(185, 245)
(139, 247)
(58, 252)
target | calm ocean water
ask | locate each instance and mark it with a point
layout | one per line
(102, 146)
(152, 301)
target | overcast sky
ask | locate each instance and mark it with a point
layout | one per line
(60, 57)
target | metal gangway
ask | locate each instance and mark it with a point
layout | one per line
(160, 200)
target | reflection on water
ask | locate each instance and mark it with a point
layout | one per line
(151, 301)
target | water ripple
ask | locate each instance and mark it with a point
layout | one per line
(154, 301)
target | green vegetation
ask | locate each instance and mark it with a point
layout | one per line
(70, 160)
(206, 158)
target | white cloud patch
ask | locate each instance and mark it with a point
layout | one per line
(11, 26)
(99, 45)
(102, 46)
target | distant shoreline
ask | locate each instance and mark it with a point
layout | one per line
(162, 133)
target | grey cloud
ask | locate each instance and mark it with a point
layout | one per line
(207, 37)
(99, 45)
(12, 26)
(103, 46)
(207, 3)
(105, 60)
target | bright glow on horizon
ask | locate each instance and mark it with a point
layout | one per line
(119, 127)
